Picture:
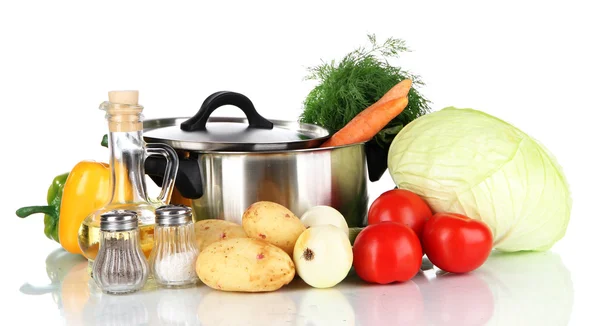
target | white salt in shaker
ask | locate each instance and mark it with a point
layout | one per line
(173, 258)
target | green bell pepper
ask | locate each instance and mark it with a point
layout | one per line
(52, 210)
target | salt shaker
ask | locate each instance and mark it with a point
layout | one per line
(173, 257)
(120, 266)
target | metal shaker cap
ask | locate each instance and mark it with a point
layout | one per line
(173, 215)
(118, 220)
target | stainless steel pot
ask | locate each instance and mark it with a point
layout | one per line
(296, 179)
(224, 173)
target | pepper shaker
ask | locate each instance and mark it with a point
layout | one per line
(173, 257)
(120, 266)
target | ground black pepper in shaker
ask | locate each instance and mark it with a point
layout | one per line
(120, 266)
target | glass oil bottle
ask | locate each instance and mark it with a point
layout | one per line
(127, 153)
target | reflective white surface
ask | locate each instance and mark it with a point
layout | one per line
(515, 289)
(531, 63)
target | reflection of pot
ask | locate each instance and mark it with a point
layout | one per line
(230, 308)
(226, 164)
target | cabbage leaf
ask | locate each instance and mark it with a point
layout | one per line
(466, 161)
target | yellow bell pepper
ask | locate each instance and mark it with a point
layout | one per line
(178, 199)
(86, 190)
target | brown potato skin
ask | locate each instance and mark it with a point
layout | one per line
(244, 265)
(212, 230)
(273, 223)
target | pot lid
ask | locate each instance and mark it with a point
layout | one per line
(254, 133)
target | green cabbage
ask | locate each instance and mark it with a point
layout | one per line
(465, 161)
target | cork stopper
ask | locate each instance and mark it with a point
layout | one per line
(123, 97)
(124, 112)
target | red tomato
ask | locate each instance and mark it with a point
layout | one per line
(402, 206)
(387, 252)
(456, 243)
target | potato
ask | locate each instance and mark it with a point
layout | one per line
(244, 265)
(209, 231)
(273, 223)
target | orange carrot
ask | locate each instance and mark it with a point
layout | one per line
(373, 119)
(400, 90)
(368, 123)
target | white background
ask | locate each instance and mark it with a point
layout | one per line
(533, 64)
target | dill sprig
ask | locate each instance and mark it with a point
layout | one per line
(361, 78)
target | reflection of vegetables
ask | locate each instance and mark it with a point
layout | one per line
(69, 286)
(323, 256)
(116, 309)
(372, 120)
(226, 308)
(456, 243)
(75, 292)
(395, 304)
(332, 306)
(51, 212)
(387, 252)
(58, 265)
(468, 162)
(402, 206)
(462, 299)
(519, 279)
(324, 215)
(178, 306)
(360, 79)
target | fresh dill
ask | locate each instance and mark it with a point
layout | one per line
(361, 78)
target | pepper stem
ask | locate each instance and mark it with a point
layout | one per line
(104, 141)
(26, 211)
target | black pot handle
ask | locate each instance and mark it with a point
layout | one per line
(188, 180)
(377, 158)
(218, 99)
